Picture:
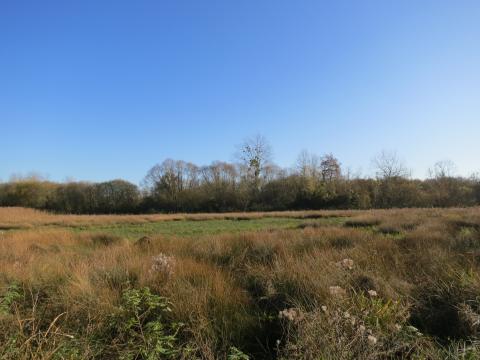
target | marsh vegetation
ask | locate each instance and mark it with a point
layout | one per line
(307, 285)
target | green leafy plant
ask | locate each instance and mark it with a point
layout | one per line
(11, 295)
(142, 328)
(236, 354)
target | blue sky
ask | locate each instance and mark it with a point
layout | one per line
(97, 90)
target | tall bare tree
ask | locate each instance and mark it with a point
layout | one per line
(166, 181)
(308, 165)
(443, 169)
(388, 165)
(255, 154)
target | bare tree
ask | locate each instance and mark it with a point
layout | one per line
(255, 154)
(308, 165)
(443, 169)
(475, 177)
(192, 175)
(219, 174)
(388, 165)
(170, 178)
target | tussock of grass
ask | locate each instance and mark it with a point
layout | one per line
(362, 222)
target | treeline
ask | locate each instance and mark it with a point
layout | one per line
(177, 186)
(111, 197)
(253, 183)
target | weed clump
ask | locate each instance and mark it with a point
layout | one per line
(141, 327)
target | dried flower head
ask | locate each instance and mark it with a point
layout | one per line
(337, 291)
(162, 264)
(372, 340)
(346, 264)
(291, 314)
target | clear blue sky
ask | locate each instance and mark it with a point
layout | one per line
(96, 89)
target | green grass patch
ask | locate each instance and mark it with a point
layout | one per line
(198, 228)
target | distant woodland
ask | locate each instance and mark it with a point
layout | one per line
(253, 183)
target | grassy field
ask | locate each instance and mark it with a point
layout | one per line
(198, 228)
(386, 284)
(20, 218)
(135, 226)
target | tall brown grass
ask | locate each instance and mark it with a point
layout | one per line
(387, 284)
